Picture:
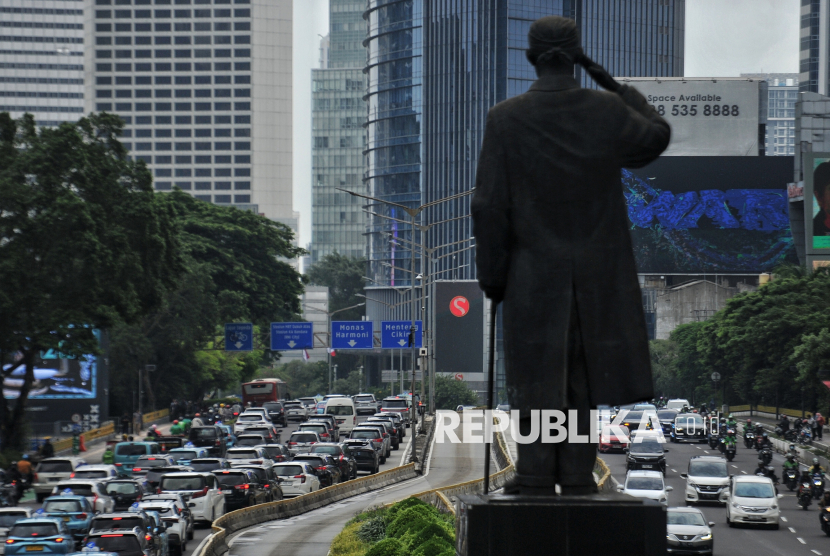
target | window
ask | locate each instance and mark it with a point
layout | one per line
(201, 13)
(222, 120)
(242, 26)
(103, 27)
(143, 53)
(242, 105)
(222, 39)
(223, 133)
(163, 186)
(142, 79)
(142, 40)
(124, 93)
(103, 14)
(183, 53)
(144, 147)
(202, 132)
(202, 120)
(202, 80)
(101, 80)
(242, 79)
(242, 53)
(162, 93)
(182, 159)
(103, 107)
(243, 12)
(103, 53)
(203, 172)
(183, 66)
(182, 13)
(124, 27)
(221, 93)
(241, 93)
(223, 172)
(201, 159)
(222, 13)
(103, 93)
(203, 185)
(162, 172)
(164, 27)
(182, 93)
(222, 53)
(142, 14)
(183, 146)
(143, 120)
(221, 198)
(242, 146)
(123, 54)
(241, 173)
(164, 107)
(222, 146)
(242, 185)
(163, 159)
(143, 132)
(201, 106)
(163, 120)
(164, 53)
(242, 199)
(242, 119)
(162, 40)
(202, 93)
(164, 146)
(242, 159)
(104, 40)
(242, 39)
(164, 133)
(139, 67)
(162, 14)
(222, 159)
(142, 106)
(182, 26)
(245, 132)
(201, 146)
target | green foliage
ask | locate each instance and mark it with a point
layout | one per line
(430, 531)
(407, 503)
(347, 543)
(436, 546)
(411, 519)
(450, 393)
(372, 530)
(387, 547)
(344, 278)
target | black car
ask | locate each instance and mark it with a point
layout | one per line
(267, 476)
(647, 455)
(327, 470)
(689, 427)
(133, 542)
(247, 440)
(341, 455)
(125, 492)
(241, 488)
(277, 452)
(154, 475)
(144, 464)
(390, 428)
(364, 454)
(206, 465)
(396, 421)
(666, 418)
(211, 437)
(276, 412)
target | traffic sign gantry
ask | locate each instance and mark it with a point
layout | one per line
(348, 334)
(394, 334)
(291, 335)
(239, 336)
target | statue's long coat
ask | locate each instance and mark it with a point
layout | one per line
(551, 228)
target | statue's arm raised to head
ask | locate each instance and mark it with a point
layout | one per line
(645, 133)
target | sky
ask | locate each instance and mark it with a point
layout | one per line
(724, 38)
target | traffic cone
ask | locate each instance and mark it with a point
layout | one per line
(81, 444)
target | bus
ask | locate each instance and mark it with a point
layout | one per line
(264, 390)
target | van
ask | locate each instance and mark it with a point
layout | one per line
(344, 411)
(707, 480)
(677, 403)
(127, 453)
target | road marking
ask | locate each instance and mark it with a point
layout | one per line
(802, 541)
(816, 552)
(698, 447)
(784, 519)
(744, 472)
(674, 470)
(735, 466)
(705, 451)
(791, 530)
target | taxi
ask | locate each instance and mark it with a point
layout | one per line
(74, 510)
(40, 535)
(187, 453)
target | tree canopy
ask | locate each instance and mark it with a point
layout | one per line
(344, 278)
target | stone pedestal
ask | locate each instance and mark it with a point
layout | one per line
(607, 524)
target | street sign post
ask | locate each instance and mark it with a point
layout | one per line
(394, 334)
(291, 335)
(347, 334)
(239, 336)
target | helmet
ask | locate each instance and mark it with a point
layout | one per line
(790, 457)
(792, 446)
(14, 463)
(221, 405)
(730, 415)
(154, 426)
(815, 461)
(26, 456)
(176, 422)
(765, 435)
(749, 420)
(196, 415)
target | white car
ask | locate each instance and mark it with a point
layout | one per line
(249, 420)
(93, 490)
(174, 520)
(646, 484)
(365, 402)
(204, 497)
(297, 478)
(677, 403)
(301, 442)
(51, 471)
(261, 410)
(8, 517)
(246, 455)
(102, 472)
(309, 403)
(752, 499)
(707, 480)
(181, 504)
(296, 410)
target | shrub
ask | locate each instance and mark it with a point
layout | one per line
(346, 543)
(410, 519)
(392, 512)
(373, 530)
(436, 546)
(431, 531)
(387, 547)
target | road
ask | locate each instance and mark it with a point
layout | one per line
(311, 534)
(799, 535)
(95, 452)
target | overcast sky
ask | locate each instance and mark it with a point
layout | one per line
(724, 38)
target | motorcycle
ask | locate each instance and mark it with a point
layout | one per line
(765, 455)
(824, 519)
(791, 435)
(713, 441)
(722, 445)
(805, 494)
(8, 496)
(805, 437)
(730, 452)
(749, 439)
(790, 478)
(818, 485)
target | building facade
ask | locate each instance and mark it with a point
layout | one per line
(812, 70)
(42, 59)
(780, 126)
(338, 114)
(204, 87)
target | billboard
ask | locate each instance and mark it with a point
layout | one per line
(708, 116)
(459, 327)
(817, 202)
(696, 215)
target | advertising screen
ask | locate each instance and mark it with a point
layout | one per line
(710, 214)
(459, 327)
(817, 201)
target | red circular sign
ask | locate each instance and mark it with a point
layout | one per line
(459, 306)
(459, 376)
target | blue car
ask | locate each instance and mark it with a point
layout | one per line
(44, 535)
(183, 456)
(75, 511)
(231, 437)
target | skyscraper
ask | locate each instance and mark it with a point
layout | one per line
(813, 62)
(780, 128)
(205, 91)
(42, 60)
(338, 114)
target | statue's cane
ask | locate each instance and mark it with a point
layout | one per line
(491, 352)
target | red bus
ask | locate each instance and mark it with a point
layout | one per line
(264, 390)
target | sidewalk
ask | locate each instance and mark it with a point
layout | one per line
(94, 453)
(770, 425)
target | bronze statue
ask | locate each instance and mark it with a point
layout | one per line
(552, 236)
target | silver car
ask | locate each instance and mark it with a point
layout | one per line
(380, 442)
(302, 441)
(94, 491)
(688, 532)
(296, 410)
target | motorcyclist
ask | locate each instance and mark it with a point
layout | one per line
(197, 421)
(825, 500)
(815, 468)
(805, 479)
(177, 428)
(793, 452)
(154, 431)
(729, 439)
(748, 426)
(109, 455)
(731, 422)
(784, 424)
(25, 468)
(790, 463)
(761, 469)
(764, 442)
(759, 429)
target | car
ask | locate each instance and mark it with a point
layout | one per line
(267, 478)
(154, 475)
(301, 441)
(374, 438)
(126, 454)
(320, 408)
(246, 455)
(277, 452)
(365, 456)
(343, 410)
(328, 397)
(161, 539)
(667, 418)
(124, 542)
(309, 403)
(394, 441)
(145, 463)
(386, 440)
(331, 420)
(125, 492)
(241, 488)
(396, 404)
(505, 407)
(94, 490)
(613, 439)
(327, 469)
(136, 517)
(634, 421)
(751, 500)
(51, 471)
(677, 403)
(687, 532)
(8, 517)
(202, 465)
(276, 412)
(646, 452)
(204, 497)
(366, 403)
(210, 437)
(247, 440)
(103, 471)
(295, 409)
(418, 405)
(322, 430)
(646, 484)
(42, 534)
(183, 456)
(688, 427)
(181, 506)
(230, 437)
(269, 432)
(297, 478)
(261, 410)
(395, 420)
(75, 510)
(248, 420)
(341, 455)
(707, 480)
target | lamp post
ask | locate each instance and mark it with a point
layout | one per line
(328, 329)
(390, 306)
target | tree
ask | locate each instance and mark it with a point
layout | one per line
(84, 243)
(344, 278)
(450, 393)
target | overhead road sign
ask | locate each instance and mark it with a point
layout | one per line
(394, 334)
(346, 334)
(291, 335)
(239, 336)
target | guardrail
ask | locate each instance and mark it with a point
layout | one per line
(90, 435)
(155, 416)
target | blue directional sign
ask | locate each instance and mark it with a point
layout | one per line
(291, 335)
(346, 334)
(394, 334)
(239, 336)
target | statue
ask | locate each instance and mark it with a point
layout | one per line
(551, 228)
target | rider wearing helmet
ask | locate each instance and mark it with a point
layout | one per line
(730, 422)
(790, 463)
(816, 468)
(761, 469)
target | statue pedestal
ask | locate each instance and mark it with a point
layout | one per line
(606, 524)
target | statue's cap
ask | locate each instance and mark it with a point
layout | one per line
(556, 33)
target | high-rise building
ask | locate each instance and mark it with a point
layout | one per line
(205, 91)
(42, 59)
(338, 114)
(813, 61)
(780, 127)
